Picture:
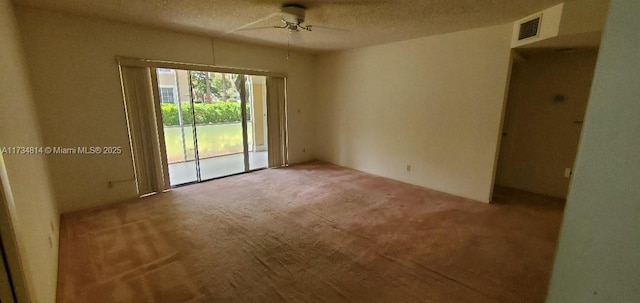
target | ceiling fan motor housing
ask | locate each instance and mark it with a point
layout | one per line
(293, 14)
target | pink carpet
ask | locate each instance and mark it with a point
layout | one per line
(310, 233)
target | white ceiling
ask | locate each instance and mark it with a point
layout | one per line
(368, 22)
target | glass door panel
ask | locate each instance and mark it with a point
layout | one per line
(177, 119)
(257, 122)
(217, 105)
(205, 134)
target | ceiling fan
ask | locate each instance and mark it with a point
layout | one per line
(292, 17)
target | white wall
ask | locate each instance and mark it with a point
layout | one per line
(598, 257)
(542, 134)
(79, 101)
(582, 16)
(36, 221)
(434, 103)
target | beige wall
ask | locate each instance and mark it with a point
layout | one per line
(168, 79)
(184, 93)
(582, 16)
(542, 136)
(598, 257)
(36, 220)
(79, 101)
(433, 103)
(259, 101)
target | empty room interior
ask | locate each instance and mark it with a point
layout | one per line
(319, 151)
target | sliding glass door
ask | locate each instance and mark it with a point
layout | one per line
(214, 123)
(257, 122)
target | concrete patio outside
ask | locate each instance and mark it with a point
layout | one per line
(215, 167)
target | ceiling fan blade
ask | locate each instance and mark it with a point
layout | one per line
(252, 23)
(326, 28)
(261, 27)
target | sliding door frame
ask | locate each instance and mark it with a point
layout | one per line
(153, 65)
(243, 117)
(194, 130)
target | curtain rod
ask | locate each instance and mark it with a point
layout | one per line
(128, 61)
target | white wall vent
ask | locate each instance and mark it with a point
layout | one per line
(571, 24)
(529, 28)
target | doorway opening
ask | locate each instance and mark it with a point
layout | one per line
(548, 95)
(214, 124)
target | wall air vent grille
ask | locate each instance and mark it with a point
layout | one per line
(529, 29)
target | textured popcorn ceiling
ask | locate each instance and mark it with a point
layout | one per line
(368, 22)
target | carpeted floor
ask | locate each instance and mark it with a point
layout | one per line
(310, 233)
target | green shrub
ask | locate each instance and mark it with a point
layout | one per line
(169, 114)
(186, 114)
(205, 113)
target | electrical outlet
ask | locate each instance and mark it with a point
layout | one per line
(304, 150)
(567, 172)
(408, 167)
